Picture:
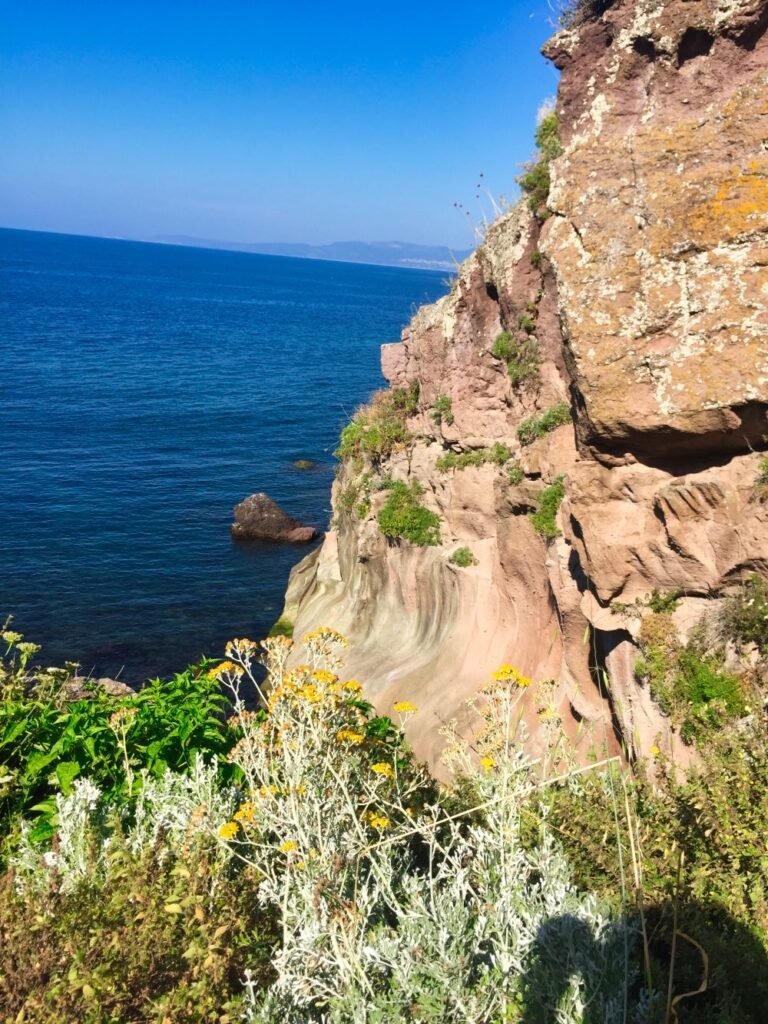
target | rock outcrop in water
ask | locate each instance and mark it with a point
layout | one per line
(260, 518)
(644, 296)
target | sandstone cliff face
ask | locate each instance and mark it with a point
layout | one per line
(649, 310)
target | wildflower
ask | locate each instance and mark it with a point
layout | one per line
(228, 830)
(322, 675)
(380, 821)
(122, 715)
(382, 768)
(242, 649)
(245, 812)
(325, 635)
(405, 707)
(487, 763)
(509, 674)
(352, 685)
(226, 667)
(350, 736)
(655, 750)
(287, 846)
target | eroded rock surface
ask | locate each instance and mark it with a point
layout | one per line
(649, 312)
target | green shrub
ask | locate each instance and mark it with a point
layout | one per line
(550, 499)
(536, 258)
(404, 517)
(521, 355)
(47, 741)
(515, 473)
(498, 454)
(462, 557)
(442, 411)
(526, 322)
(535, 180)
(534, 427)
(379, 428)
(348, 496)
(745, 615)
(664, 601)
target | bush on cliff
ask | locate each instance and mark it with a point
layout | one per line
(535, 180)
(404, 517)
(534, 427)
(521, 355)
(379, 429)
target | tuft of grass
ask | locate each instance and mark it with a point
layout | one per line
(745, 615)
(550, 499)
(665, 601)
(442, 411)
(403, 517)
(379, 428)
(534, 427)
(521, 355)
(498, 454)
(463, 558)
(535, 180)
(515, 473)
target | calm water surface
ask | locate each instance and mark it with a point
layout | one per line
(144, 390)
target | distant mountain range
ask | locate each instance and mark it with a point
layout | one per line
(387, 254)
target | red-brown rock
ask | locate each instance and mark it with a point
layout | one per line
(260, 518)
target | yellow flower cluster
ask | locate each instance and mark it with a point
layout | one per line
(277, 644)
(325, 635)
(288, 846)
(352, 686)
(350, 736)
(382, 768)
(380, 821)
(404, 707)
(487, 763)
(509, 674)
(242, 649)
(122, 715)
(229, 830)
(225, 668)
(245, 813)
(322, 675)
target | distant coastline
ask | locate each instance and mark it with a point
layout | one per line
(407, 255)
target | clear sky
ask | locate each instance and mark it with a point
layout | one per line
(265, 121)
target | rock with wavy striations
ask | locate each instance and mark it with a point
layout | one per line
(642, 304)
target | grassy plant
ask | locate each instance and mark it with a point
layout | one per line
(664, 601)
(442, 411)
(536, 258)
(520, 355)
(549, 501)
(379, 428)
(534, 427)
(535, 180)
(463, 558)
(403, 517)
(745, 614)
(515, 473)
(498, 454)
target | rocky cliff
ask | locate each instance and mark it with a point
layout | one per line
(612, 344)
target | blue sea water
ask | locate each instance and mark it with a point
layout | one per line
(144, 390)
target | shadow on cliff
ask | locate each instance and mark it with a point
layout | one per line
(720, 969)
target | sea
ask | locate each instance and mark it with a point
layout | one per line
(145, 389)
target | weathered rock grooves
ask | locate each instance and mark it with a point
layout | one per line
(651, 318)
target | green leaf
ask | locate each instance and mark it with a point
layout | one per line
(66, 772)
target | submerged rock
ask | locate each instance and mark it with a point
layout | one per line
(304, 464)
(260, 518)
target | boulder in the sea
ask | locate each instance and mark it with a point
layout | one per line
(304, 464)
(260, 518)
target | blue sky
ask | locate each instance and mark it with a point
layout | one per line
(249, 120)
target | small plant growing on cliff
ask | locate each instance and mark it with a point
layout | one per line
(662, 601)
(535, 180)
(463, 558)
(442, 411)
(379, 428)
(550, 500)
(498, 454)
(745, 614)
(534, 427)
(283, 627)
(521, 355)
(515, 473)
(404, 517)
